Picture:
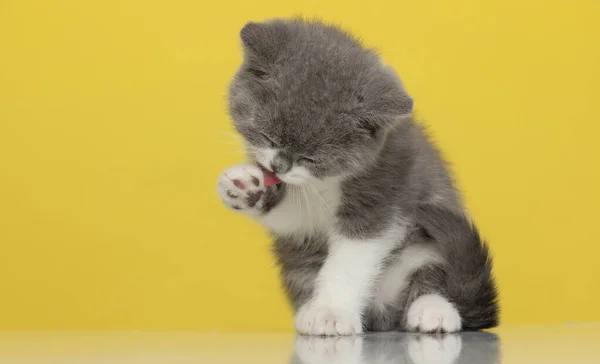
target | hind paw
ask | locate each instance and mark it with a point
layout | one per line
(433, 313)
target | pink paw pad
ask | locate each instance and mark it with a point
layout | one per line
(238, 184)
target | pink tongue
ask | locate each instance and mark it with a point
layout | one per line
(270, 177)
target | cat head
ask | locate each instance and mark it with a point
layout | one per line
(310, 101)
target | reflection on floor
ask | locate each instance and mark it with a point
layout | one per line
(399, 348)
(526, 344)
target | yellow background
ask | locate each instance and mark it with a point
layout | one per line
(113, 130)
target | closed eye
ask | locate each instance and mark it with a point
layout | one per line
(268, 140)
(307, 160)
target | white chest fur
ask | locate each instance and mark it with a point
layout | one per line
(306, 208)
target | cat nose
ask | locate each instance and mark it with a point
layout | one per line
(280, 164)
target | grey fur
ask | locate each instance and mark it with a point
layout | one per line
(331, 105)
(466, 275)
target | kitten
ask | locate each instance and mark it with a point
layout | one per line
(368, 228)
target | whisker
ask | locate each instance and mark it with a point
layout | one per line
(231, 142)
(318, 194)
(298, 203)
(228, 134)
(232, 152)
(311, 219)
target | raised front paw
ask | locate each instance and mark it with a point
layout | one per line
(242, 188)
(320, 320)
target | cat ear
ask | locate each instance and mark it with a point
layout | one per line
(382, 101)
(264, 40)
(386, 95)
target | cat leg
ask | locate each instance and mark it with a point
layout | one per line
(345, 283)
(387, 306)
(461, 292)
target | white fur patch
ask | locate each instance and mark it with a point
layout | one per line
(305, 209)
(345, 284)
(297, 175)
(309, 204)
(427, 349)
(433, 313)
(396, 277)
(264, 156)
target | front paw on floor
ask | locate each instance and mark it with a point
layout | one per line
(320, 320)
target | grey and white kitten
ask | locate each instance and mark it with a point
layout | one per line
(368, 228)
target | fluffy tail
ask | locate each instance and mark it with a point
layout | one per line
(468, 282)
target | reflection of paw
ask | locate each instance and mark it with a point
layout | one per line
(329, 350)
(242, 188)
(314, 319)
(426, 349)
(433, 313)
